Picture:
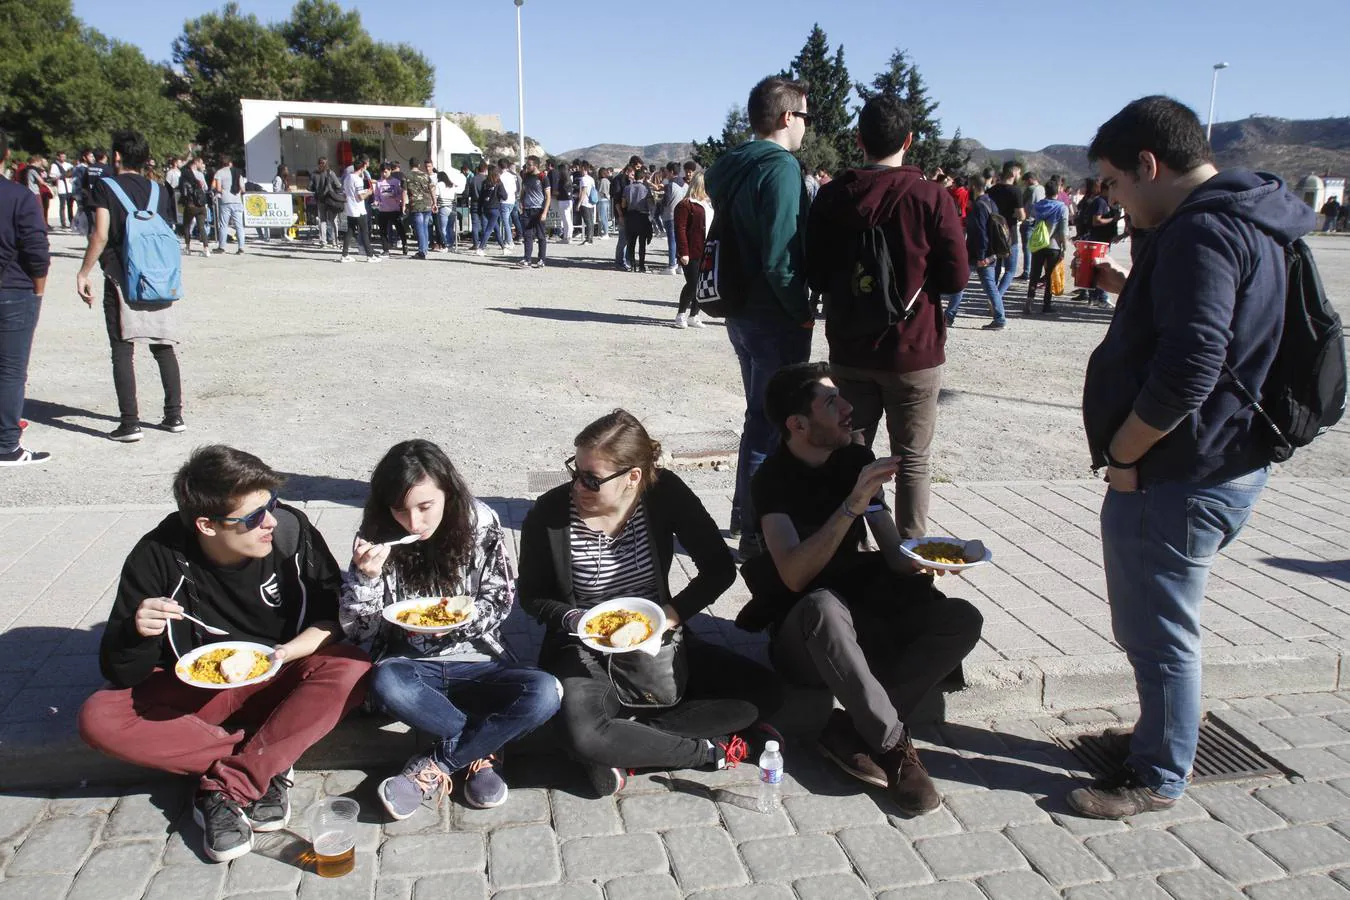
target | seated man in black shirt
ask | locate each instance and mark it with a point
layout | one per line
(867, 625)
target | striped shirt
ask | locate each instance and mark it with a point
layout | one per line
(604, 568)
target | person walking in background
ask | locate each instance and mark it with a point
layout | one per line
(508, 217)
(1044, 259)
(228, 186)
(981, 256)
(535, 198)
(1032, 193)
(1096, 223)
(329, 200)
(446, 197)
(618, 186)
(676, 189)
(492, 202)
(637, 217)
(389, 209)
(1006, 196)
(602, 204)
(689, 232)
(1331, 212)
(26, 256)
(561, 183)
(587, 197)
(355, 193)
(62, 177)
(192, 200)
(419, 198)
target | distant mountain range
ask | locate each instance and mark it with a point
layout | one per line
(1291, 148)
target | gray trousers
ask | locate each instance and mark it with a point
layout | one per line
(879, 645)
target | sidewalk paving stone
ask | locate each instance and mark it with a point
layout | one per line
(1198, 884)
(883, 856)
(1227, 852)
(1305, 848)
(1057, 855)
(790, 858)
(970, 855)
(703, 858)
(1138, 852)
(1306, 804)
(1018, 886)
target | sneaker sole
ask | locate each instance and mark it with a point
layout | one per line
(219, 855)
(856, 773)
(611, 786)
(176, 429)
(468, 801)
(388, 807)
(126, 438)
(13, 464)
(281, 823)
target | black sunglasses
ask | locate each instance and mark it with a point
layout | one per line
(253, 519)
(588, 480)
(804, 116)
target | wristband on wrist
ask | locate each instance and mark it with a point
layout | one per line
(1117, 464)
(843, 507)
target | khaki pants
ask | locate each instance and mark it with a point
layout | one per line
(909, 400)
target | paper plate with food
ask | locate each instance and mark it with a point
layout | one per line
(431, 615)
(947, 554)
(226, 664)
(623, 625)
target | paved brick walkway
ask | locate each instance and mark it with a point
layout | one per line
(1002, 834)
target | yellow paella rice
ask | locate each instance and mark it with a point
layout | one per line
(604, 625)
(205, 669)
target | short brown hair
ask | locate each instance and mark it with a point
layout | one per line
(213, 479)
(770, 99)
(620, 438)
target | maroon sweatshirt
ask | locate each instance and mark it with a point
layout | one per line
(928, 248)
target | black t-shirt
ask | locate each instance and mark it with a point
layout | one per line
(810, 495)
(1097, 206)
(1008, 200)
(137, 189)
(246, 601)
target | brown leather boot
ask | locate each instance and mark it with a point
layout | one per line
(842, 745)
(911, 788)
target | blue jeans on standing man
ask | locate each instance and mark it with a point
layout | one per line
(1025, 230)
(621, 246)
(1158, 545)
(231, 216)
(421, 221)
(1005, 267)
(986, 276)
(18, 321)
(472, 709)
(763, 346)
(671, 247)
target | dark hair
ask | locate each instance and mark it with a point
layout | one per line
(988, 172)
(444, 179)
(215, 477)
(425, 567)
(883, 125)
(635, 160)
(1092, 186)
(1028, 176)
(791, 391)
(100, 153)
(84, 151)
(976, 187)
(770, 99)
(1052, 187)
(414, 162)
(690, 166)
(620, 438)
(132, 147)
(1010, 166)
(1168, 129)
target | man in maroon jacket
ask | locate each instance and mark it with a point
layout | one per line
(892, 368)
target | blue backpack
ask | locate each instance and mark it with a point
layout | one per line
(151, 256)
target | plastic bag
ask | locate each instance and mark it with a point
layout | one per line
(1057, 279)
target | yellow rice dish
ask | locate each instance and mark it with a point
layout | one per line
(211, 667)
(433, 616)
(942, 552)
(620, 628)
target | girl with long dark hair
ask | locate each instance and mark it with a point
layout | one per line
(461, 686)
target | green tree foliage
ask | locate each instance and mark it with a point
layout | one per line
(735, 131)
(818, 153)
(955, 158)
(830, 84)
(322, 52)
(63, 85)
(901, 79)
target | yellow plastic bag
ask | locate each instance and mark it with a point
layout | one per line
(1057, 279)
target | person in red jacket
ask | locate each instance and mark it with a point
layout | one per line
(898, 371)
(693, 218)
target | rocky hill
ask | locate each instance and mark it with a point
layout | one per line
(619, 154)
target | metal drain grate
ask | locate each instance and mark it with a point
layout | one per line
(539, 482)
(1221, 755)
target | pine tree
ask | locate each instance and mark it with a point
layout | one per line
(830, 84)
(901, 79)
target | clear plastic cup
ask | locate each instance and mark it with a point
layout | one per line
(332, 830)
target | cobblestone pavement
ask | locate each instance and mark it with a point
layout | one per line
(1003, 832)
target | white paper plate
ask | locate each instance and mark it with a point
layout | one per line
(184, 664)
(653, 611)
(908, 546)
(465, 603)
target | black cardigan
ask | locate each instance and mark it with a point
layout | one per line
(673, 511)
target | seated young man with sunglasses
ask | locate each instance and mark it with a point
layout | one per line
(234, 558)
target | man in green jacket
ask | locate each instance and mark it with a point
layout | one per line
(759, 186)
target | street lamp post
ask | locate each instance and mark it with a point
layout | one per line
(520, 83)
(1213, 92)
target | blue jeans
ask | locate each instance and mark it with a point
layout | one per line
(621, 247)
(1005, 269)
(602, 216)
(446, 227)
(491, 221)
(18, 321)
(1158, 545)
(231, 216)
(671, 249)
(502, 702)
(986, 275)
(763, 346)
(1025, 230)
(421, 227)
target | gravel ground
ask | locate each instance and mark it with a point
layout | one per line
(318, 368)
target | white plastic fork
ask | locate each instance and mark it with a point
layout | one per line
(209, 629)
(406, 539)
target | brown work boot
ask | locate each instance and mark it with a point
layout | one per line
(911, 788)
(1117, 796)
(842, 745)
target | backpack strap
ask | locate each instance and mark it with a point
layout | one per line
(122, 197)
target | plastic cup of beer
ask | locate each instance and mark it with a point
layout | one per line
(332, 829)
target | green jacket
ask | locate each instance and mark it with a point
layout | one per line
(768, 206)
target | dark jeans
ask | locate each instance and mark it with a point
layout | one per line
(621, 255)
(879, 642)
(638, 231)
(473, 709)
(18, 320)
(534, 230)
(1043, 262)
(687, 301)
(391, 226)
(763, 346)
(124, 365)
(194, 215)
(67, 202)
(587, 214)
(726, 693)
(359, 227)
(491, 221)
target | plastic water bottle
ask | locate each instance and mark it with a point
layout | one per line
(770, 778)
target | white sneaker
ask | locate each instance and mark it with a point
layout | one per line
(343, 259)
(506, 251)
(695, 321)
(374, 259)
(480, 253)
(673, 270)
(681, 320)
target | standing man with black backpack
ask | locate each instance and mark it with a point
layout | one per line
(328, 196)
(1200, 320)
(880, 365)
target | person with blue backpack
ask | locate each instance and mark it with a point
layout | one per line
(135, 244)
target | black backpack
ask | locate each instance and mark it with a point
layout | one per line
(1000, 239)
(866, 298)
(1304, 394)
(190, 190)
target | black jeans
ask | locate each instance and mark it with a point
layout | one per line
(124, 365)
(360, 227)
(638, 226)
(391, 225)
(18, 320)
(532, 229)
(587, 214)
(194, 215)
(726, 693)
(687, 300)
(879, 644)
(1043, 262)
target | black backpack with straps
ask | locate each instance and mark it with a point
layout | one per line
(866, 297)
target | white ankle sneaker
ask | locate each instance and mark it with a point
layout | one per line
(695, 321)
(681, 320)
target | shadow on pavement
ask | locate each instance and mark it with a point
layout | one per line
(581, 315)
(53, 415)
(1337, 569)
(348, 491)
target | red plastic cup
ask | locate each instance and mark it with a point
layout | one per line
(1086, 256)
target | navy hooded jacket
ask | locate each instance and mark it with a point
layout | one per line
(1209, 289)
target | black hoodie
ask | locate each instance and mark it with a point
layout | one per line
(1209, 289)
(268, 601)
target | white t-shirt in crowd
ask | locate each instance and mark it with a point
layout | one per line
(353, 183)
(584, 185)
(511, 181)
(62, 176)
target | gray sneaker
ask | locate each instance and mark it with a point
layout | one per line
(422, 778)
(483, 787)
(272, 810)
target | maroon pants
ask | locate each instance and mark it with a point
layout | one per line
(236, 739)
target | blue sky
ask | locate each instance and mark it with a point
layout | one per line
(630, 73)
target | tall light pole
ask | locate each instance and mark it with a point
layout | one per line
(1213, 92)
(520, 83)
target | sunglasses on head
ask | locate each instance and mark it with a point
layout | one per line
(589, 481)
(253, 519)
